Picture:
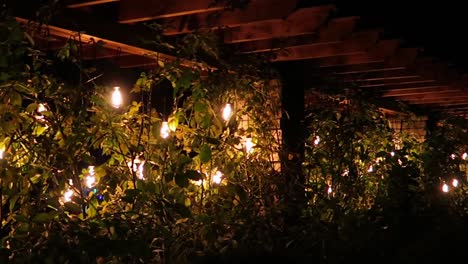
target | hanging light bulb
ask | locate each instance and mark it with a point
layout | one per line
(317, 140)
(138, 167)
(227, 112)
(249, 145)
(40, 108)
(218, 177)
(371, 168)
(90, 179)
(455, 183)
(2, 151)
(453, 156)
(392, 154)
(330, 190)
(164, 130)
(465, 156)
(117, 97)
(67, 196)
(445, 188)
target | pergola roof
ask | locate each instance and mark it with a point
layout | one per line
(314, 35)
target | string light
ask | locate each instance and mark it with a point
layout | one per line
(317, 140)
(227, 112)
(455, 183)
(40, 108)
(371, 168)
(249, 145)
(116, 97)
(218, 177)
(138, 167)
(445, 188)
(330, 190)
(2, 151)
(453, 156)
(392, 154)
(67, 196)
(465, 156)
(90, 179)
(164, 130)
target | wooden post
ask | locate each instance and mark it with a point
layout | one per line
(293, 131)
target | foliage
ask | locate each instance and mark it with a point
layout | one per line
(83, 181)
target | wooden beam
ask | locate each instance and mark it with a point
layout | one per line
(438, 95)
(376, 75)
(87, 3)
(256, 11)
(460, 99)
(416, 82)
(418, 91)
(302, 21)
(358, 44)
(132, 11)
(105, 43)
(136, 62)
(336, 30)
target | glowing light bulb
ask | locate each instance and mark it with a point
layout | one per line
(392, 154)
(227, 112)
(371, 168)
(116, 97)
(345, 173)
(317, 140)
(453, 156)
(199, 182)
(41, 108)
(445, 188)
(249, 145)
(2, 151)
(164, 130)
(455, 183)
(465, 156)
(138, 167)
(330, 190)
(90, 180)
(67, 196)
(218, 177)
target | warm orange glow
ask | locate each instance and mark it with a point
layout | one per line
(445, 188)
(227, 112)
(116, 97)
(164, 130)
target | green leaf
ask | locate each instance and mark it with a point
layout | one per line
(205, 153)
(43, 217)
(182, 180)
(193, 175)
(200, 106)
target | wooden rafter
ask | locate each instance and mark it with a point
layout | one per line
(358, 44)
(87, 3)
(302, 21)
(418, 91)
(132, 11)
(257, 11)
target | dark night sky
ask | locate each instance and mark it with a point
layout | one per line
(439, 27)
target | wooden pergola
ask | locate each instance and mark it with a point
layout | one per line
(312, 35)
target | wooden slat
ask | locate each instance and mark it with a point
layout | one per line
(418, 91)
(334, 31)
(460, 99)
(136, 61)
(376, 75)
(105, 43)
(358, 44)
(132, 11)
(87, 3)
(302, 21)
(436, 96)
(416, 82)
(256, 11)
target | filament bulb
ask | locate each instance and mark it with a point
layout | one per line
(164, 130)
(218, 177)
(67, 195)
(445, 188)
(249, 145)
(317, 140)
(455, 183)
(116, 97)
(227, 112)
